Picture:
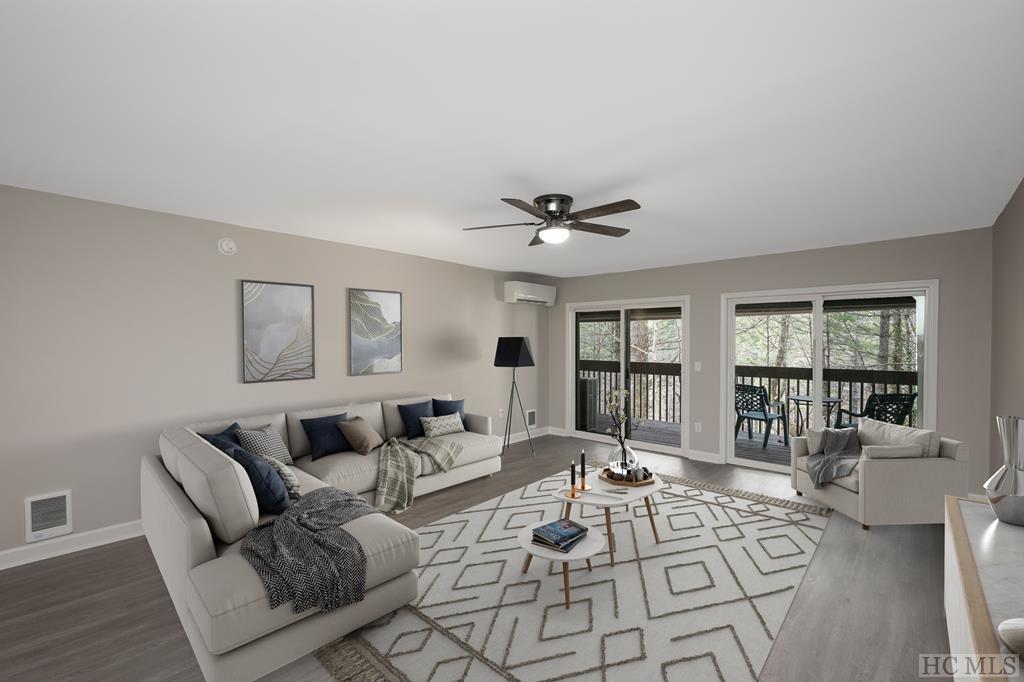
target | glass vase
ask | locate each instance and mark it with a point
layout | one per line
(623, 460)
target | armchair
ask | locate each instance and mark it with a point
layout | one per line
(889, 491)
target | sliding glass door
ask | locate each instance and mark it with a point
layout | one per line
(774, 378)
(598, 367)
(640, 348)
(872, 348)
(823, 358)
(655, 343)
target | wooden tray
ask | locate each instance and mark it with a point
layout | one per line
(604, 477)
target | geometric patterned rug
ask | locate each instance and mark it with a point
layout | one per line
(704, 604)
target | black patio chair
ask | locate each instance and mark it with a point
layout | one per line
(894, 408)
(752, 405)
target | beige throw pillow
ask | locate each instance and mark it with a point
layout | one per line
(874, 432)
(360, 435)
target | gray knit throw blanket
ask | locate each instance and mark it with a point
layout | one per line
(303, 556)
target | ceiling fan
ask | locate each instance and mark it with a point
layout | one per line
(559, 222)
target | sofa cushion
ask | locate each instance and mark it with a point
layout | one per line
(217, 485)
(345, 470)
(298, 441)
(394, 427)
(912, 451)
(324, 436)
(264, 442)
(475, 447)
(269, 487)
(433, 427)
(874, 432)
(171, 441)
(229, 603)
(307, 482)
(445, 407)
(363, 437)
(850, 482)
(276, 421)
(411, 416)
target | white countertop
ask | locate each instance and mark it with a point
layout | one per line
(998, 550)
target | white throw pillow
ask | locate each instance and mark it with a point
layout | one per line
(874, 432)
(442, 426)
(913, 451)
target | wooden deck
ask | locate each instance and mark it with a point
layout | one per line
(776, 452)
(666, 433)
(650, 431)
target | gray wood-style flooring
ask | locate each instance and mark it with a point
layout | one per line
(871, 601)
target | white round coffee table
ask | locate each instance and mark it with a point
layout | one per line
(601, 495)
(584, 549)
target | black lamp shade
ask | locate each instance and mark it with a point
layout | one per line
(513, 351)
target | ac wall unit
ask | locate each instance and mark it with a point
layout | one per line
(47, 516)
(527, 292)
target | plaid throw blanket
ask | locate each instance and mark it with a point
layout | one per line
(398, 469)
(302, 556)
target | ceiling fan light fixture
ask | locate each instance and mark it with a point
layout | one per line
(553, 235)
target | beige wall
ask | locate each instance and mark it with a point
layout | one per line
(961, 261)
(1007, 315)
(118, 322)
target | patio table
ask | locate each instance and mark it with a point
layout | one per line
(803, 418)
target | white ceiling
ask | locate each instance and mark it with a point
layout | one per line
(742, 127)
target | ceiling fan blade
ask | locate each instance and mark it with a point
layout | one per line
(529, 208)
(536, 240)
(487, 227)
(606, 230)
(606, 209)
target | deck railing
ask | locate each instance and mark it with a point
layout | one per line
(851, 386)
(654, 388)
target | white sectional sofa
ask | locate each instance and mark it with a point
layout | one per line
(198, 505)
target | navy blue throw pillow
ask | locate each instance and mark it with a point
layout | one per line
(325, 438)
(227, 434)
(444, 407)
(271, 493)
(411, 416)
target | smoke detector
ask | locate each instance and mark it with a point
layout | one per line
(227, 246)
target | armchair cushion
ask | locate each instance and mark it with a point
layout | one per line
(893, 451)
(874, 432)
(849, 482)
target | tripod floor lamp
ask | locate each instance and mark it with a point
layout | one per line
(514, 352)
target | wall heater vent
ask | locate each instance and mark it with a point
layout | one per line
(531, 417)
(47, 516)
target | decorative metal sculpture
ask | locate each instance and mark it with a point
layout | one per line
(1005, 489)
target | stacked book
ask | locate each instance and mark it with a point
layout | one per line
(561, 535)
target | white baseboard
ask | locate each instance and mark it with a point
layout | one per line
(66, 544)
(536, 433)
(701, 456)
